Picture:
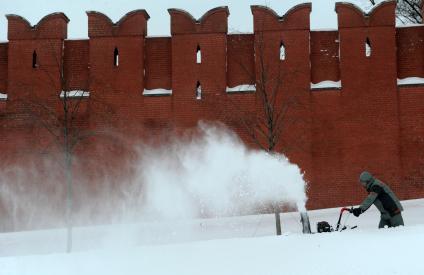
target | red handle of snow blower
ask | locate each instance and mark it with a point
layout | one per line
(340, 216)
(346, 209)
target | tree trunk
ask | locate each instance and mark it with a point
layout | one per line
(68, 171)
(277, 221)
(306, 225)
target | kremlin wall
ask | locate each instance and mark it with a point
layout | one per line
(358, 91)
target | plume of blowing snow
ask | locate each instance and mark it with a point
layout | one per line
(205, 173)
(212, 173)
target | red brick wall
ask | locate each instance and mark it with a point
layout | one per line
(116, 103)
(325, 56)
(332, 134)
(210, 34)
(412, 135)
(293, 74)
(240, 59)
(76, 67)
(370, 125)
(329, 177)
(213, 21)
(24, 136)
(52, 26)
(158, 63)
(3, 67)
(3, 88)
(410, 56)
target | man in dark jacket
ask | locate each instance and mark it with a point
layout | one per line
(383, 198)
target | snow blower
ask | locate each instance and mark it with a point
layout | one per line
(326, 227)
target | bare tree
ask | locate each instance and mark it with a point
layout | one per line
(273, 114)
(62, 117)
(409, 11)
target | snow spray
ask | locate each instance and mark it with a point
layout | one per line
(214, 174)
(210, 173)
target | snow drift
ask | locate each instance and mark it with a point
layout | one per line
(392, 250)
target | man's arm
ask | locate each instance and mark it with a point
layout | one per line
(369, 200)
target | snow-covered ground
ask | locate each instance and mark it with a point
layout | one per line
(236, 245)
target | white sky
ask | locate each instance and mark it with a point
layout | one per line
(240, 19)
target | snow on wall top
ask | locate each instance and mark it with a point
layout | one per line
(157, 92)
(243, 88)
(74, 94)
(411, 81)
(326, 84)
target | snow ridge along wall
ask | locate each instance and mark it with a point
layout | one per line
(364, 120)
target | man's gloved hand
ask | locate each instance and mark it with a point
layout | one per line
(357, 211)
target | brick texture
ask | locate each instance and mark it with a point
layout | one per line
(158, 63)
(325, 56)
(240, 59)
(3, 67)
(410, 56)
(371, 123)
(75, 62)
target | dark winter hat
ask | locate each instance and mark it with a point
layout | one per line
(365, 177)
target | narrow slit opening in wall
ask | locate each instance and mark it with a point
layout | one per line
(116, 57)
(367, 47)
(34, 59)
(282, 51)
(198, 55)
(198, 90)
